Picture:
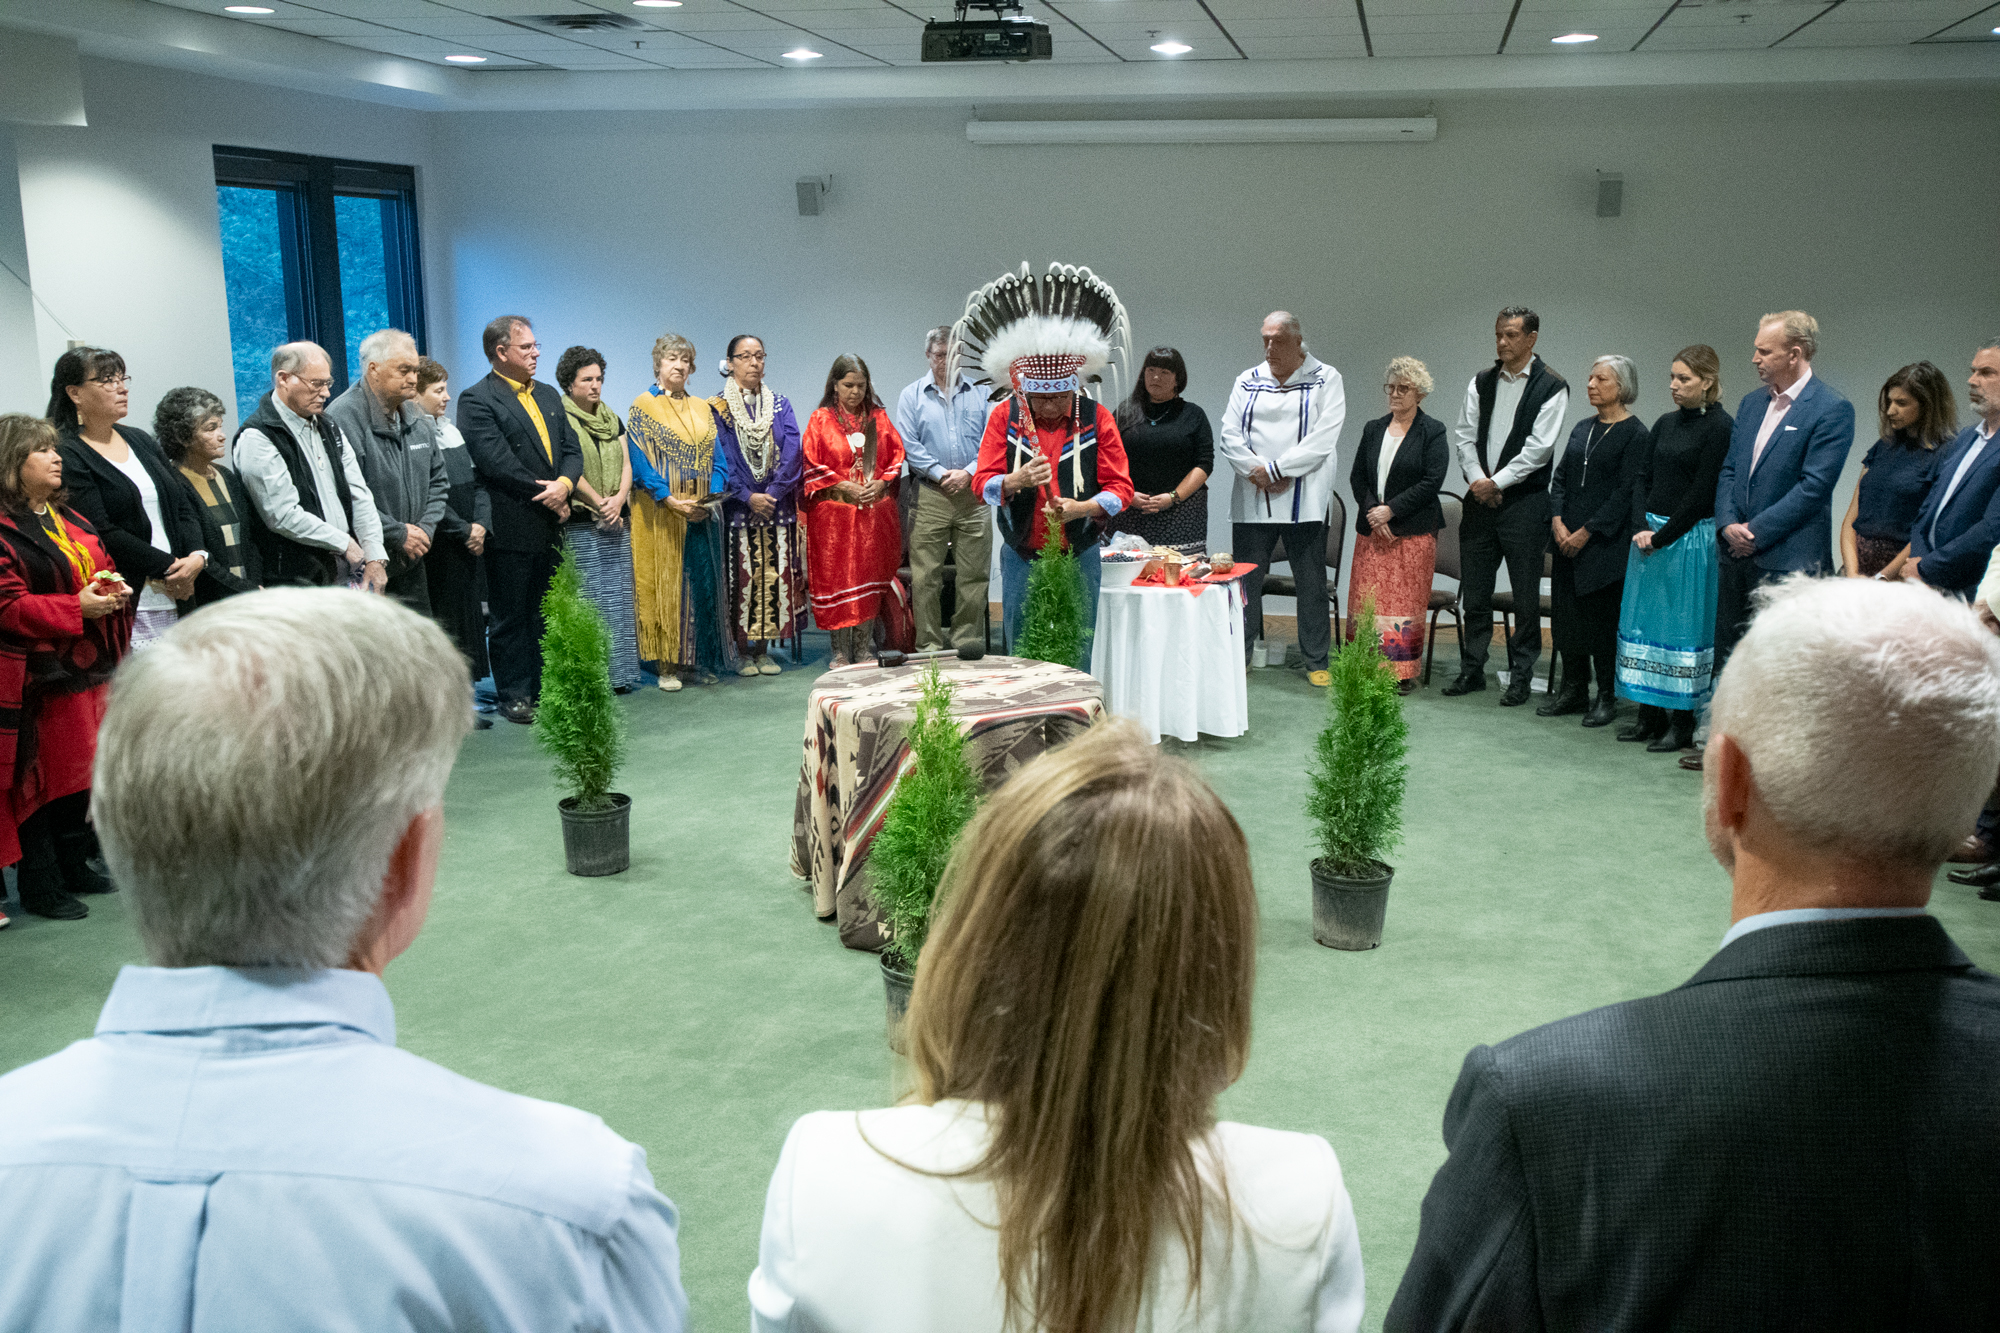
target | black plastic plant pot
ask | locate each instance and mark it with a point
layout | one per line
(597, 842)
(1348, 911)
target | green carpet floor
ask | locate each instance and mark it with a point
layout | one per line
(696, 1005)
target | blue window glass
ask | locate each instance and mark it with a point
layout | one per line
(363, 225)
(262, 282)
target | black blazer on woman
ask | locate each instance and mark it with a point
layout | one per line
(1415, 477)
(110, 503)
(1592, 488)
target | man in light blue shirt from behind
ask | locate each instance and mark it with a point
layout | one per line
(941, 428)
(241, 1145)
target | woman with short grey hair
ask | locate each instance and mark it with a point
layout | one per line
(1590, 518)
(188, 425)
(1399, 469)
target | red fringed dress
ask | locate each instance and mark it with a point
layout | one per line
(852, 551)
(55, 666)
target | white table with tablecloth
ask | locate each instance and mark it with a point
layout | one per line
(1173, 660)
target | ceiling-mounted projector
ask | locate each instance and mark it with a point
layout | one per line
(1008, 35)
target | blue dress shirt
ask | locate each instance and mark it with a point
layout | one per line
(1792, 916)
(939, 437)
(248, 1149)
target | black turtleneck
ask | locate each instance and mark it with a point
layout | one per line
(1683, 465)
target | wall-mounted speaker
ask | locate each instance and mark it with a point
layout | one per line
(1610, 194)
(812, 190)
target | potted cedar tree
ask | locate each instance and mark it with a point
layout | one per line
(1355, 792)
(907, 860)
(578, 725)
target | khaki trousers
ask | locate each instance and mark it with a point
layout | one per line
(959, 524)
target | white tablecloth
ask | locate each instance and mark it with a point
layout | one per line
(1171, 661)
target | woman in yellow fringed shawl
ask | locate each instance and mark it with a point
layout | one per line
(677, 540)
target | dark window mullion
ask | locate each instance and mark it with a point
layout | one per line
(329, 320)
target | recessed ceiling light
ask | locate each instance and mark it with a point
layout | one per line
(248, 9)
(466, 60)
(1574, 38)
(802, 53)
(657, 4)
(1172, 48)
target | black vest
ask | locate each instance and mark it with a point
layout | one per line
(287, 561)
(1543, 384)
(1017, 516)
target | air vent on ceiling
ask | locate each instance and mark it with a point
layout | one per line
(595, 22)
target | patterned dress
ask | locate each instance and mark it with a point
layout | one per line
(766, 561)
(678, 566)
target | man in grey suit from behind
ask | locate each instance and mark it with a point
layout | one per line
(1802, 1135)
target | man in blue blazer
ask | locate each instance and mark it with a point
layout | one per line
(1774, 501)
(1959, 525)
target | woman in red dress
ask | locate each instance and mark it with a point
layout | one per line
(63, 627)
(854, 533)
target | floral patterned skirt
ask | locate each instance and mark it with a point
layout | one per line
(1398, 571)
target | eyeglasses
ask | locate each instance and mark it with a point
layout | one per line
(317, 386)
(748, 356)
(1394, 389)
(113, 381)
(524, 347)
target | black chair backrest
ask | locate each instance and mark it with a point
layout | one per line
(1447, 550)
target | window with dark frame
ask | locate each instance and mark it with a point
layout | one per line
(314, 248)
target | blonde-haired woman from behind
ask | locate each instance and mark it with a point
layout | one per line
(1083, 997)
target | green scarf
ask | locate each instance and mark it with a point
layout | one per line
(601, 434)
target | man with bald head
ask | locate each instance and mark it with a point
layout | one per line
(1279, 433)
(311, 512)
(396, 444)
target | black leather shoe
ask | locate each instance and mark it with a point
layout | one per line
(42, 893)
(1980, 877)
(1569, 699)
(1665, 743)
(1517, 692)
(481, 722)
(1466, 683)
(1647, 728)
(1603, 712)
(1991, 893)
(520, 711)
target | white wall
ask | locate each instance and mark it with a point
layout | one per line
(1871, 209)
(121, 222)
(1864, 208)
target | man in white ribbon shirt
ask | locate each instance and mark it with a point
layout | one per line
(1279, 433)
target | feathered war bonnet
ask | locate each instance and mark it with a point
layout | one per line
(1050, 334)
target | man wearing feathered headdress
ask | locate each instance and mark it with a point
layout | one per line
(1050, 452)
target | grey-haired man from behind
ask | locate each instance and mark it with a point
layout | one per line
(241, 1144)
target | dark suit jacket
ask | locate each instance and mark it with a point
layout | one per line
(1969, 527)
(1788, 498)
(507, 455)
(110, 503)
(1801, 1137)
(1415, 477)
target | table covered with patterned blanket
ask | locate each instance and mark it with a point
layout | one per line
(855, 753)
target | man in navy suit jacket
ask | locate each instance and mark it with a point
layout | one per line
(1959, 525)
(527, 455)
(1801, 1136)
(1774, 501)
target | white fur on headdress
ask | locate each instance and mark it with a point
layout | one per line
(1067, 311)
(1045, 335)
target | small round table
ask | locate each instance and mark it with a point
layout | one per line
(1011, 710)
(1173, 660)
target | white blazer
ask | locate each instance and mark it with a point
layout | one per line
(855, 1243)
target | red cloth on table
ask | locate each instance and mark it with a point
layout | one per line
(1193, 586)
(48, 650)
(852, 551)
(1113, 473)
